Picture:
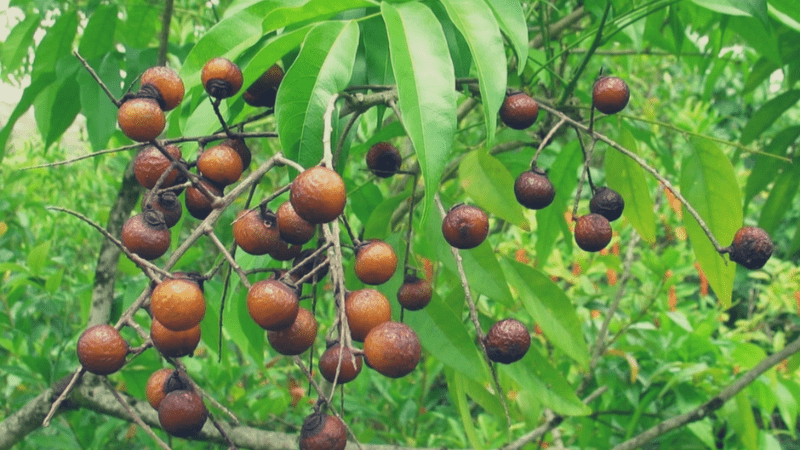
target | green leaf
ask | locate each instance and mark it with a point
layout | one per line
(56, 43)
(767, 115)
(39, 84)
(98, 36)
(459, 396)
(487, 181)
(38, 257)
(743, 422)
(18, 43)
(101, 118)
(709, 184)
(66, 106)
(627, 177)
(550, 221)
(322, 69)
(376, 43)
(426, 88)
(273, 51)
(766, 168)
(141, 25)
(786, 11)
(759, 35)
(475, 21)
(511, 18)
(782, 193)
(758, 73)
(313, 9)
(550, 308)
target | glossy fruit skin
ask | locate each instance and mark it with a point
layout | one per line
(272, 305)
(141, 119)
(519, 111)
(221, 164)
(608, 203)
(255, 233)
(383, 159)
(150, 164)
(296, 339)
(610, 95)
(168, 84)
(318, 195)
(146, 235)
(293, 228)
(198, 205)
(376, 262)
(751, 247)
(592, 232)
(534, 190)
(330, 360)
(182, 413)
(507, 341)
(365, 309)
(221, 78)
(178, 303)
(263, 91)
(465, 227)
(323, 432)
(102, 350)
(415, 293)
(392, 349)
(174, 344)
(155, 390)
(165, 202)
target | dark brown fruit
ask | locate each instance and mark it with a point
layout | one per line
(198, 205)
(263, 91)
(293, 228)
(272, 305)
(285, 252)
(155, 391)
(751, 247)
(298, 337)
(182, 413)
(376, 262)
(300, 269)
(221, 164)
(350, 364)
(392, 349)
(610, 95)
(465, 226)
(534, 190)
(519, 111)
(242, 149)
(608, 203)
(178, 303)
(323, 432)
(507, 341)
(150, 164)
(415, 293)
(256, 233)
(146, 235)
(174, 344)
(141, 119)
(167, 83)
(165, 202)
(592, 232)
(383, 159)
(102, 350)
(318, 195)
(365, 309)
(221, 78)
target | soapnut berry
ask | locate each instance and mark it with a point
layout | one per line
(167, 83)
(221, 78)
(220, 164)
(174, 344)
(507, 341)
(519, 111)
(165, 202)
(197, 203)
(608, 203)
(465, 226)
(141, 119)
(283, 251)
(348, 369)
(182, 413)
(102, 350)
(263, 91)
(534, 190)
(383, 159)
(365, 309)
(751, 247)
(318, 195)
(392, 349)
(376, 262)
(178, 303)
(150, 164)
(300, 269)
(272, 304)
(610, 95)
(293, 228)
(156, 384)
(323, 432)
(256, 232)
(146, 235)
(415, 293)
(297, 338)
(592, 232)
(242, 149)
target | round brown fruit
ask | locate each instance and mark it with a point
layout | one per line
(519, 111)
(751, 247)
(285, 252)
(263, 91)
(383, 159)
(141, 119)
(221, 164)
(376, 262)
(465, 226)
(165, 202)
(182, 413)
(392, 349)
(256, 232)
(610, 95)
(150, 164)
(221, 78)
(102, 350)
(167, 83)
(323, 432)
(365, 309)
(298, 337)
(146, 235)
(197, 203)
(272, 304)
(155, 390)
(318, 195)
(534, 190)
(174, 344)
(242, 149)
(349, 368)
(178, 303)
(507, 341)
(592, 232)
(415, 293)
(293, 228)
(608, 203)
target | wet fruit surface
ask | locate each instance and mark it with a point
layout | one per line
(102, 350)
(365, 309)
(141, 119)
(376, 262)
(392, 349)
(534, 190)
(507, 341)
(519, 111)
(752, 247)
(318, 195)
(293, 228)
(592, 232)
(465, 227)
(178, 304)
(610, 95)
(182, 413)
(272, 305)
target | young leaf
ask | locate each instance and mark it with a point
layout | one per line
(490, 184)
(627, 178)
(18, 42)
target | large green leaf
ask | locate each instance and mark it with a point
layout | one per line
(98, 37)
(475, 21)
(550, 308)
(627, 178)
(426, 87)
(313, 9)
(766, 168)
(39, 84)
(18, 43)
(101, 118)
(55, 44)
(458, 393)
(321, 70)
(273, 51)
(782, 193)
(141, 24)
(759, 35)
(767, 115)
(709, 184)
(66, 106)
(787, 12)
(379, 64)
(487, 181)
(511, 18)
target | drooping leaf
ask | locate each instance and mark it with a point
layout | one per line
(511, 18)
(783, 193)
(101, 118)
(18, 43)
(67, 105)
(459, 397)
(273, 51)
(767, 114)
(29, 95)
(98, 36)
(460, 53)
(376, 43)
(55, 44)
(627, 177)
(766, 168)
(487, 181)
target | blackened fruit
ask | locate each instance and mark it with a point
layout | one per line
(323, 432)
(174, 344)
(182, 413)
(507, 341)
(197, 203)
(264, 90)
(350, 364)
(141, 119)
(293, 228)
(255, 232)
(376, 262)
(365, 309)
(221, 164)
(167, 83)
(534, 190)
(383, 159)
(221, 78)
(272, 304)
(465, 226)
(165, 202)
(415, 293)
(102, 350)
(150, 164)
(392, 349)
(751, 247)
(146, 235)
(610, 95)
(519, 111)
(318, 195)
(296, 339)
(592, 232)
(608, 203)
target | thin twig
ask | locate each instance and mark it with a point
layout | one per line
(135, 417)
(546, 140)
(97, 79)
